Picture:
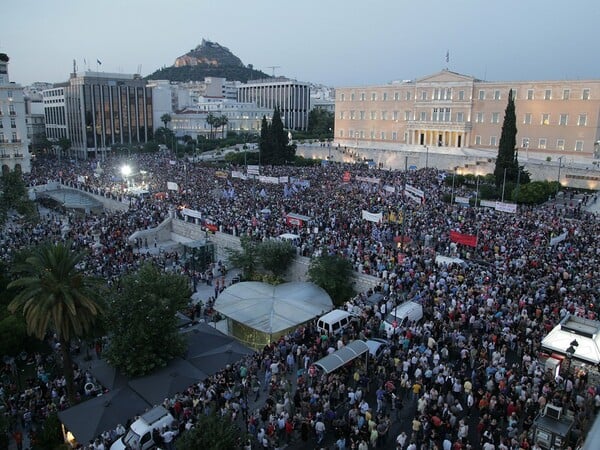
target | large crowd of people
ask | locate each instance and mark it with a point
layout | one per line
(467, 376)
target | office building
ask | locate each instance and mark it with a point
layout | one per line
(290, 96)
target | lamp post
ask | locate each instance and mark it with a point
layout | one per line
(560, 158)
(426, 156)
(452, 195)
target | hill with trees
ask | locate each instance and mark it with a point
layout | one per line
(209, 59)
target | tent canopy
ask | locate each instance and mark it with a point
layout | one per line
(572, 328)
(342, 356)
(271, 309)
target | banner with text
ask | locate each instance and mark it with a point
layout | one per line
(465, 239)
(559, 238)
(372, 217)
(172, 186)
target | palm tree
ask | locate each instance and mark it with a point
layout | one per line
(223, 121)
(165, 118)
(55, 296)
(211, 119)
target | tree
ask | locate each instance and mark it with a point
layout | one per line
(320, 122)
(211, 432)
(164, 136)
(276, 256)
(166, 119)
(55, 296)
(222, 122)
(211, 119)
(274, 142)
(14, 195)
(265, 142)
(142, 322)
(507, 158)
(334, 274)
(65, 145)
(245, 259)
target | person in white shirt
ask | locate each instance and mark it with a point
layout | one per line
(401, 440)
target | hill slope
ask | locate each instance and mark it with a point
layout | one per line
(209, 59)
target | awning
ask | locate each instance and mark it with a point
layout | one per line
(342, 356)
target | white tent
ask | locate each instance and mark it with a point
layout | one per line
(572, 328)
(259, 312)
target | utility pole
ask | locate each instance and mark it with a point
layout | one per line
(560, 158)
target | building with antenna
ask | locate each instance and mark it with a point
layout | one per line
(290, 96)
(99, 111)
(14, 144)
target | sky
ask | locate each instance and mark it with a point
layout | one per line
(337, 43)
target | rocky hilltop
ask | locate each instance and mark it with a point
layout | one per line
(209, 59)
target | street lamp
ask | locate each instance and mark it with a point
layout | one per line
(560, 158)
(126, 171)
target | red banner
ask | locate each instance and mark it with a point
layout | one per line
(465, 239)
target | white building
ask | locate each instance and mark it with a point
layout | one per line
(241, 117)
(14, 145)
(290, 96)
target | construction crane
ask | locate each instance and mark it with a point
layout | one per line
(273, 69)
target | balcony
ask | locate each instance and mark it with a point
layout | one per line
(16, 141)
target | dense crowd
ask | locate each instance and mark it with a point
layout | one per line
(467, 376)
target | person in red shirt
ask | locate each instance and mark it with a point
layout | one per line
(18, 437)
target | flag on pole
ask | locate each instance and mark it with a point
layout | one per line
(447, 56)
(98, 61)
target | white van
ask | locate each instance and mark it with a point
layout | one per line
(335, 322)
(293, 239)
(401, 314)
(139, 435)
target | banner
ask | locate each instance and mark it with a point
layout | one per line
(461, 200)
(81, 179)
(221, 174)
(191, 213)
(506, 207)
(368, 179)
(238, 174)
(388, 188)
(413, 197)
(559, 238)
(172, 162)
(171, 186)
(372, 217)
(414, 190)
(253, 170)
(271, 180)
(465, 239)
(284, 179)
(488, 204)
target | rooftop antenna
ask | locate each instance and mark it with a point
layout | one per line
(273, 69)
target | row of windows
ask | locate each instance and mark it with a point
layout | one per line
(563, 119)
(14, 138)
(446, 94)
(13, 123)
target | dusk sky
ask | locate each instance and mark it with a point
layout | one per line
(333, 42)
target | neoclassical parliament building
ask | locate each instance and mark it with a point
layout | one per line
(448, 109)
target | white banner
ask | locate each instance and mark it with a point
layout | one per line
(559, 238)
(372, 217)
(506, 207)
(284, 179)
(172, 186)
(414, 190)
(388, 188)
(487, 204)
(271, 180)
(368, 179)
(81, 179)
(238, 174)
(461, 200)
(172, 162)
(253, 170)
(191, 213)
(413, 197)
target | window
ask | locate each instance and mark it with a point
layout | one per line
(460, 117)
(482, 95)
(11, 109)
(525, 142)
(352, 115)
(493, 141)
(14, 137)
(341, 133)
(383, 115)
(423, 95)
(477, 140)
(383, 135)
(342, 115)
(396, 96)
(566, 94)
(406, 115)
(585, 94)
(1, 137)
(562, 120)
(548, 94)
(408, 95)
(372, 134)
(461, 95)
(436, 94)
(529, 94)
(373, 115)
(496, 95)
(545, 119)
(352, 96)
(578, 146)
(361, 114)
(542, 144)
(527, 119)
(362, 96)
(560, 144)
(385, 96)
(343, 97)
(479, 117)
(394, 136)
(395, 115)
(495, 117)
(582, 121)
(423, 116)
(13, 124)
(373, 96)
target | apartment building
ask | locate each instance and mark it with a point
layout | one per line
(14, 144)
(448, 109)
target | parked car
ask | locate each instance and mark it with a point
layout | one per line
(377, 347)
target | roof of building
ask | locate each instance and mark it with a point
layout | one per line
(573, 328)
